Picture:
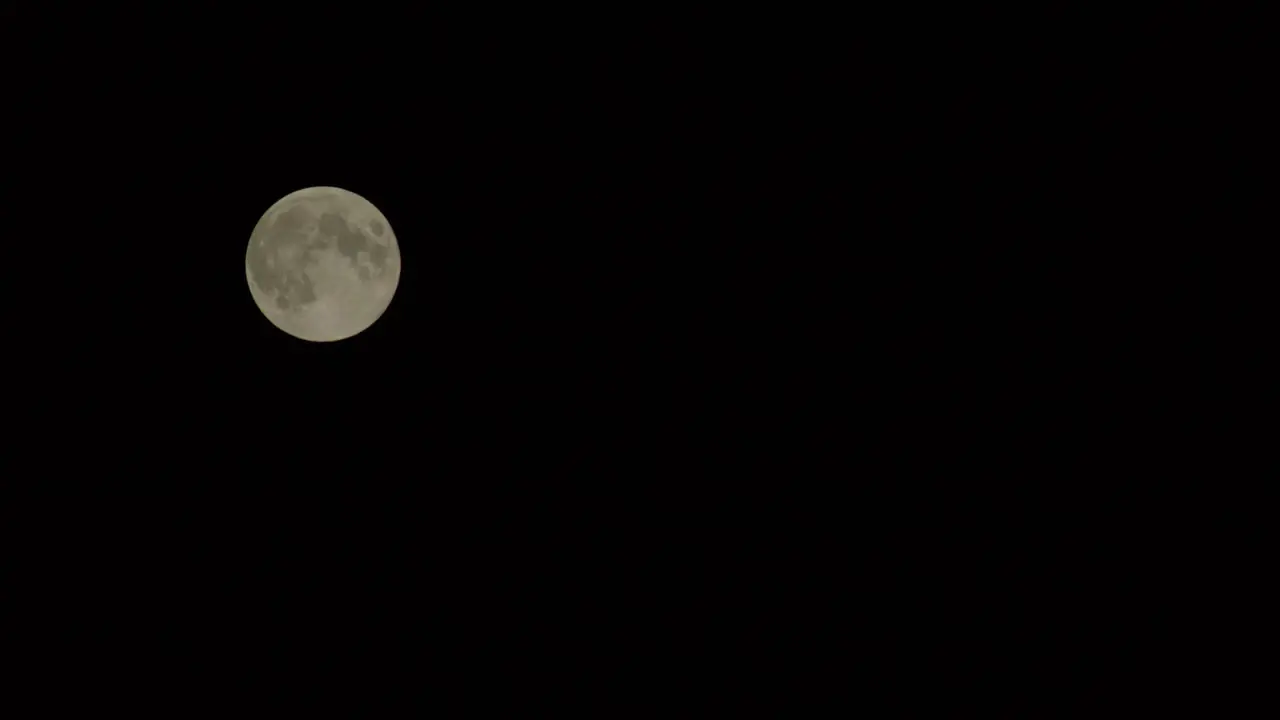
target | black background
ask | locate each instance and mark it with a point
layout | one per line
(718, 346)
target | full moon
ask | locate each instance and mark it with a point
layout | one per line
(322, 264)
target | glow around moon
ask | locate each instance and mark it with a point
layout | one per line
(322, 264)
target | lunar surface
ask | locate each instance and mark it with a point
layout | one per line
(322, 264)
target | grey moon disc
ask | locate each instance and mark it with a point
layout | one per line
(322, 264)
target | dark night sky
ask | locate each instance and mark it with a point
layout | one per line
(697, 321)
(665, 295)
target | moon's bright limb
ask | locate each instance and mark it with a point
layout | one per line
(322, 264)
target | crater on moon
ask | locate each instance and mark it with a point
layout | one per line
(322, 264)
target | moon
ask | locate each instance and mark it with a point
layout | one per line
(322, 264)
